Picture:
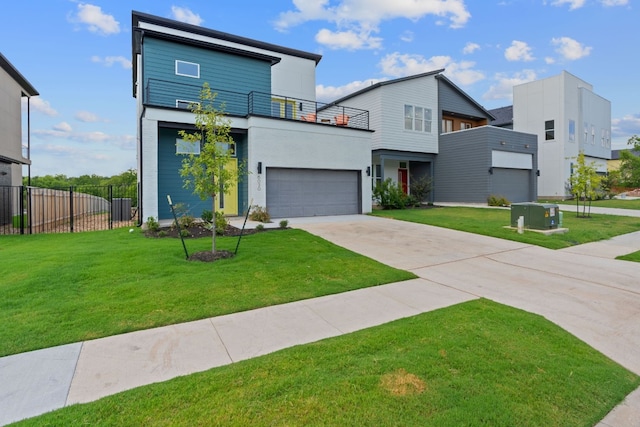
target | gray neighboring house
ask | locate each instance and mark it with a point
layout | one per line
(13, 87)
(426, 126)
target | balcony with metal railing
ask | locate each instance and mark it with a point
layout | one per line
(166, 94)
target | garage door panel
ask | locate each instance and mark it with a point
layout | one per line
(312, 192)
(514, 184)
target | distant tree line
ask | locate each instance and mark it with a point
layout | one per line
(61, 181)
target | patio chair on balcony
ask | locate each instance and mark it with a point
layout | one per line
(342, 120)
(311, 117)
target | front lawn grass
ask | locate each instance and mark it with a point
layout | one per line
(611, 203)
(63, 288)
(474, 364)
(492, 222)
(634, 256)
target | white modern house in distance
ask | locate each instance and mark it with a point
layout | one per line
(568, 117)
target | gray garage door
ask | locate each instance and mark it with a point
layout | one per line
(512, 184)
(312, 192)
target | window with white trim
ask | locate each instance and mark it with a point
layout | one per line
(465, 125)
(187, 147)
(417, 118)
(447, 125)
(572, 130)
(187, 69)
(186, 105)
(549, 130)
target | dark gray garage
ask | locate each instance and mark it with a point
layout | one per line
(312, 192)
(514, 184)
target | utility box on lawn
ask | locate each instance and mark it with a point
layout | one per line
(538, 216)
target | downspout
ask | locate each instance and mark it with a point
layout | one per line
(29, 141)
(144, 110)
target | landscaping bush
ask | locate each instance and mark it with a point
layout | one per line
(390, 196)
(494, 200)
(260, 214)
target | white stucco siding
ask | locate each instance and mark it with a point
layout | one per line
(281, 144)
(149, 173)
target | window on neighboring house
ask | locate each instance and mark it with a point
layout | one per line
(187, 69)
(284, 108)
(572, 131)
(593, 135)
(186, 105)
(417, 118)
(377, 179)
(602, 138)
(187, 147)
(465, 125)
(447, 125)
(549, 130)
(608, 137)
(586, 132)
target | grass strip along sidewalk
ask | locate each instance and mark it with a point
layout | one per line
(492, 222)
(474, 364)
(65, 288)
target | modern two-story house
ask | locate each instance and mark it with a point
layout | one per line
(13, 88)
(426, 126)
(567, 117)
(302, 158)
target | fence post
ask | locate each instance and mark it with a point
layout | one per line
(21, 208)
(71, 209)
(110, 207)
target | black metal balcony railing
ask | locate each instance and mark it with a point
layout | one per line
(161, 93)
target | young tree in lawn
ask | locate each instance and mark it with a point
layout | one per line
(206, 173)
(630, 163)
(584, 183)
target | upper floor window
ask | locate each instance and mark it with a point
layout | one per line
(447, 125)
(549, 130)
(417, 118)
(593, 135)
(186, 105)
(572, 130)
(188, 69)
(465, 125)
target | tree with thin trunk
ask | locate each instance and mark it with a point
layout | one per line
(584, 183)
(207, 172)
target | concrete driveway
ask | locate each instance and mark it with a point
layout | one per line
(594, 297)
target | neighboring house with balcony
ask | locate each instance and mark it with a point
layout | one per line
(427, 127)
(302, 158)
(13, 87)
(567, 117)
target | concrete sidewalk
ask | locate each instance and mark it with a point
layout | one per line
(594, 297)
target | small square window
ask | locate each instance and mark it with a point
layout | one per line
(186, 105)
(188, 69)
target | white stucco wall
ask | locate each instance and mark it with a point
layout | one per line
(10, 117)
(290, 144)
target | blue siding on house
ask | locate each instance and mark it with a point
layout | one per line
(169, 180)
(233, 77)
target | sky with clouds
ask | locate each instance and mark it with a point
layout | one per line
(78, 56)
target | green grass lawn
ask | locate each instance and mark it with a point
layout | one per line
(64, 288)
(492, 222)
(613, 203)
(474, 364)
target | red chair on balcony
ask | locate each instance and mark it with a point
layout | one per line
(311, 117)
(342, 120)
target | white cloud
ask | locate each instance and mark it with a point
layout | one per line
(185, 15)
(331, 93)
(348, 40)
(609, 3)
(38, 104)
(518, 51)
(63, 127)
(503, 89)
(87, 117)
(470, 48)
(626, 126)
(401, 65)
(573, 4)
(549, 60)
(570, 49)
(363, 17)
(96, 20)
(108, 61)
(407, 36)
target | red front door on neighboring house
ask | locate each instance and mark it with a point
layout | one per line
(403, 180)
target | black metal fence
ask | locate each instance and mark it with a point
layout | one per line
(32, 210)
